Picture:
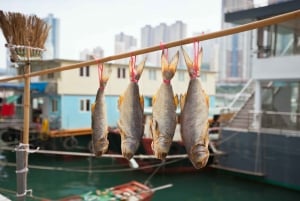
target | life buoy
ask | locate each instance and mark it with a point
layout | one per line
(91, 146)
(70, 143)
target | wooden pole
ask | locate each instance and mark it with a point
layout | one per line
(23, 148)
(208, 36)
(26, 102)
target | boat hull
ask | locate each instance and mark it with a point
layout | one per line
(129, 191)
(269, 156)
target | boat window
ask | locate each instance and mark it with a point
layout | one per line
(54, 105)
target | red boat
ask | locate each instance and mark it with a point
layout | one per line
(132, 190)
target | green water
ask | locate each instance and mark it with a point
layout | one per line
(210, 185)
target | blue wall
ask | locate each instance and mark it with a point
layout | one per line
(72, 117)
(112, 110)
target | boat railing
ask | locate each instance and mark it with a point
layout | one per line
(281, 121)
(242, 97)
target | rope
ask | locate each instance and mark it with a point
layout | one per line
(196, 56)
(100, 72)
(93, 171)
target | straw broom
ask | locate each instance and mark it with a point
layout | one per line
(21, 31)
(25, 37)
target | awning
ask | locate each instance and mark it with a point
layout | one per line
(11, 99)
(34, 86)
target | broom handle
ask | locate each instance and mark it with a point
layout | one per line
(26, 100)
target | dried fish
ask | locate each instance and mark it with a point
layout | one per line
(131, 107)
(99, 119)
(164, 105)
(194, 115)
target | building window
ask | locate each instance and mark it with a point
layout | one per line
(152, 74)
(84, 71)
(50, 75)
(54, 105)
(85, 105)
(87, 71)
(121, 73)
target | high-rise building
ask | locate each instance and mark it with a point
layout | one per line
(235, 54)
(86, 54)
(162, 33)
(210, 59)
(52, 42)
(124, 43)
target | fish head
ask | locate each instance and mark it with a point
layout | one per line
(100, 147)
(199, 155)
(129, 148)
(161, 143)
(161, 147)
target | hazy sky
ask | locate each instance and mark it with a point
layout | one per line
(91, 23)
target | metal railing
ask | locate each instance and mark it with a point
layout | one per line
(242, 97)
(275, 120)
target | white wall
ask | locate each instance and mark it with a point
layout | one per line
(285, 67)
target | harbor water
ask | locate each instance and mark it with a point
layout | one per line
(55, 177)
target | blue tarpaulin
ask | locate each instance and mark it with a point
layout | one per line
(34, 86)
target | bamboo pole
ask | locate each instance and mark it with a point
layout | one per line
(23, 148)
(208, 36)
(26, 101)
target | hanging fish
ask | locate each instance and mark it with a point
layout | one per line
(131, 107)
(164, 105)
(99, 119)
(194, 114)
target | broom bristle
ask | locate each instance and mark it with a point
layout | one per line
(19, 29)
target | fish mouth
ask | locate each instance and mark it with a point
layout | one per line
(161, 148)
(100, 147)
(199, 156)
(129, 149)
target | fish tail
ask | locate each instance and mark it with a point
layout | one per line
(193, 67)
(168, 70)
(135, 73)
(103, 81)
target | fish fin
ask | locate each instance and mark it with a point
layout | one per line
(140, 69)
(93, 108)
(142, 102)
(182, 101)
(120, 101)
(206, 136)
(153, 99)
(176, 101)
(188, 61)
(207, 100)
(104, 77)
(164, 62)
(168, 70)
(154, 128)
(174, 62)
(121, 129)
